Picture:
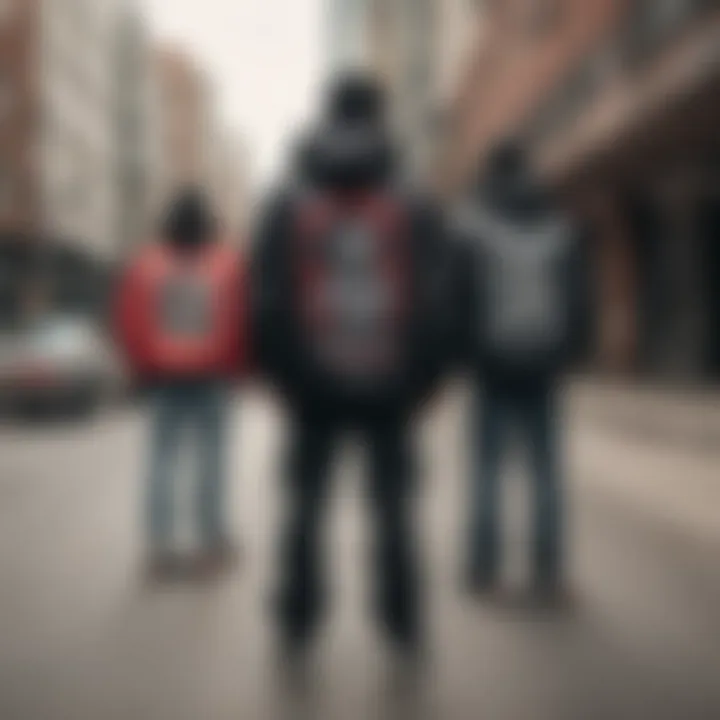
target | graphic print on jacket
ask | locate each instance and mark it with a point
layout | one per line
(525, 276)
(186, 306)
(352, 292)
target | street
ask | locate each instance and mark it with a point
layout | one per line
(83, 638)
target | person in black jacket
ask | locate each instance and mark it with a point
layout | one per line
(349, 275)
(524, 315)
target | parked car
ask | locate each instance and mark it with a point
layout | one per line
(61, 363)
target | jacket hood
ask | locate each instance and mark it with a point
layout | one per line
(351, 147)
(189, 221)
(347, 156)
(509, 185)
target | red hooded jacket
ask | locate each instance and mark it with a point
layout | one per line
(184, 315)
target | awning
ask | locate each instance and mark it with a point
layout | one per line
(642, 111)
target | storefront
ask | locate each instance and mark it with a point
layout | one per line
(642, 159)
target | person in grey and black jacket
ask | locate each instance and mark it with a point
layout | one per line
(522, 309)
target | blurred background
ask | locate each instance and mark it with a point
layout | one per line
(108, 106)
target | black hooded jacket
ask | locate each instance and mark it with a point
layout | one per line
(349, 151)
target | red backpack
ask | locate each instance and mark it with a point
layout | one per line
(184, 314)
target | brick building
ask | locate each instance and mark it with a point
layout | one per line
(137, 130)
(194, 147)
(417, 47)
(19, 108)
(347, 34)
(524, 49)
(57, 163)
(229, 183)
(618, 101)
(185, 117)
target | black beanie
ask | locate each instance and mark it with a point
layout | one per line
(189, 220)
(356, 97)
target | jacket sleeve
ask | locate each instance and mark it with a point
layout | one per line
(126, 316)
(270, 288)
(582, 296)
(465, 298)
(433, 321)
(246, 353)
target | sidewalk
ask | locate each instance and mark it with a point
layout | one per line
(690, 418)
(656, 450)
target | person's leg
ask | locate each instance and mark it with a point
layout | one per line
(168, 414)
(210, 408)
(391, 493)
(302, 593)
(542, 431)
(488, 427)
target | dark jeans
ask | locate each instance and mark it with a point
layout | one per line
(303, 594)
(529, 408)
(199, 407)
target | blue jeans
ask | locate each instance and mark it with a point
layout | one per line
(498, 411)
(200, 407)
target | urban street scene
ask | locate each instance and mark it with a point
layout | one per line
(359, 359)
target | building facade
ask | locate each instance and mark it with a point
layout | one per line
(184, 114)
(19, 107)
(417, 47)
(618, 102)
(403, 41)
(523, 50)
(193, 145)
(138, 159)
(229, 184)
(57, 136)
(347, 34)
(456, 25)
(77, 122)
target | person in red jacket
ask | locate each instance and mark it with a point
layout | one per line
(180, 321)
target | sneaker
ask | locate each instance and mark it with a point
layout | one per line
(294, 660)
(407, 669)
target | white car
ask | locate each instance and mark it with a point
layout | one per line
(61, 363)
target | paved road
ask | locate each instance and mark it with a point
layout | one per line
(81, 638)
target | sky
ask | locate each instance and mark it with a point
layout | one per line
(265, 57)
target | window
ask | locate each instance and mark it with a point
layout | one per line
(6, 100)
(6, 193)
(652, 23)
(576, 93)
(7, 8)
(526, 17)
(540, 16)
